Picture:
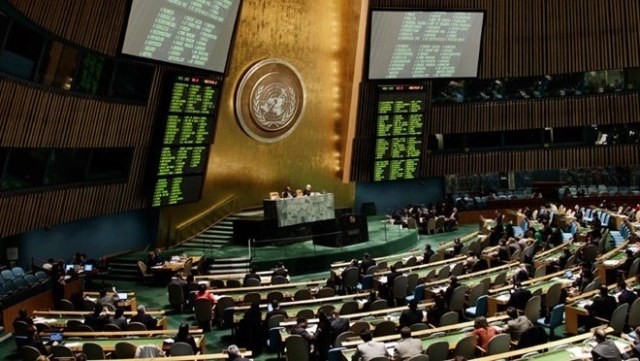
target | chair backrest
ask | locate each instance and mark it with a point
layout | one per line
(93, 351)
(540, 271)
(466, 347)
(619, 318)
(436, 257)
(400, 284)
(482, 306)
(557, 316)
(458, 269)
(499, 344)
(590, 253)
(444, 272)
(418, 293)
(359, 327)
(438, 350)
(83, 328)
(274, 321)
(111, 327)
(552, 297)
(633, 270)
(306, 313)
(343, 337)
(29, 353)
(65, 305)
(136, 326)
(350, 277)
(634, 314)
(143, 268)
(457, 298)
(203, 309)
(21, 328)
(326, 292)
(234, 283)
(449, 318)
(431, 225)
(181, 349)
(476, 291)
(7, 275)
(419, 358)
(251, 282)
(252, 297)
(500, 279)
(372, 269)
(275, 295)
(61, 351)
(419, 327)
(349, 307)
(412, 261)
(125, 350)
(412, 281)
(378, 305)
(188, 264)
(302, 294)
(222, 304)
(384, 328)
(278, 280)
(297, 348)
(176, 294)
(532, 309)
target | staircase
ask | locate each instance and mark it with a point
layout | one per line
(213, 238)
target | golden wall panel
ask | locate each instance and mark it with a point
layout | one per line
(318, 38)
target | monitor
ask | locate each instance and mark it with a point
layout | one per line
(196, 34)
(419, 44)
(123, 296)
(88, 267)
(69, 267)
(56, 337)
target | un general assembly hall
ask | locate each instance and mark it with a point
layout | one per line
(304, 180)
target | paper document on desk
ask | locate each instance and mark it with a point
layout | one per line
(382, 279)
(577, 353)
(312, 328)
(503, 297)
(611, 262)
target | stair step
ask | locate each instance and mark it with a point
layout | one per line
(217, 232)
(227, 265)
(228, 272)
(133, 264)
(209, 241)
(236, 259)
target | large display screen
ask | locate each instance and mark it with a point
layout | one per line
(188, 126)
(424, 44)
(400, 131)
(194, 33)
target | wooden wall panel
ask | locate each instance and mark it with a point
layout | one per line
(525, 37)
(31, 116)
(530, 114)
(503, 161)
(94, 24)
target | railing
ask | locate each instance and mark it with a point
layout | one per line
(193, 227)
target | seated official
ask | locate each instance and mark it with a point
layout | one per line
(150, 322)
(275, 310)
(412, 315)
(428, 252)
(202, 293)
(119, 319)
(448, 293)
(602, 306)
(626, 295)
(307, 190)
(366, 262)
(407, 347)
(301, 329)
(106, 299)
(369, 349)
(184, 336)
(436, 311)
(252, 274)
(280, 270)
(519, 297)
(98, 319)
(234, 354)
(288, 193)
(605, 350)
(483, 331)
(23, 316)
(517, 324)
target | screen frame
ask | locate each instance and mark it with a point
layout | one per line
(367, 57)
(186, 68)
(427, 89)
(160, 126)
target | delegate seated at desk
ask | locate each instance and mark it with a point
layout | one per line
(307, 190)
(288, 193)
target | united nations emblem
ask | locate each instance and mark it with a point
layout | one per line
(270, 100)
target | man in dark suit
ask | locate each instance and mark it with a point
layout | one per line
(234, 354)
(519, 297)
(411, 316)
(626, 295)
(145, 319)
(602, 306)
(97, 319)
(366, 262)
(605, 350)
(275, 310)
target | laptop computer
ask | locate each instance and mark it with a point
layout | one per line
(56, 337)
(88, 267)
(69, 267)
